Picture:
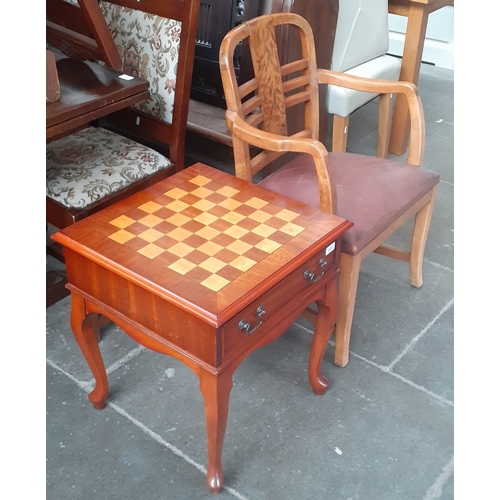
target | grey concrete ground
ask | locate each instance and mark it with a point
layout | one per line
(384, 430)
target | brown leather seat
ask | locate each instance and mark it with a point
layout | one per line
(371, 193)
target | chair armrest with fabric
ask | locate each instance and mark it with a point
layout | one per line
(386, 87)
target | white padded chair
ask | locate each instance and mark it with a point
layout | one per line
(360, 49)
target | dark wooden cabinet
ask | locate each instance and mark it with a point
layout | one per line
(216, 18)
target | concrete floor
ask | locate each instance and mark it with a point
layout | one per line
(384, 430)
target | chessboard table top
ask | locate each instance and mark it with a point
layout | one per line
(203, 238)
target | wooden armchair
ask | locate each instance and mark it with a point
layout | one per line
(131, 149)
(376, 194)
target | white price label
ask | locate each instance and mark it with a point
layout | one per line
(330, 248)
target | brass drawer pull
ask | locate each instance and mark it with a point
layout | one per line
(309, 275)
(245, 325)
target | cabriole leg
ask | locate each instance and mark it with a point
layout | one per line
(86, 331)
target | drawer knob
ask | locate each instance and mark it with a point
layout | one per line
(245, 325)
(309, 275)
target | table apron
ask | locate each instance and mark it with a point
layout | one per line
(60, 129)
(165, 327)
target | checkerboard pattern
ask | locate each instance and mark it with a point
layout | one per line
(205, 231)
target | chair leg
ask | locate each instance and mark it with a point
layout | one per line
(420, 231)
(339, 134)
(384, 124)
(348, 284)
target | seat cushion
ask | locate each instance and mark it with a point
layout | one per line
(371, 192)
(90, 164)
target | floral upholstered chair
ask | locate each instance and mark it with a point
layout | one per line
(97, 166)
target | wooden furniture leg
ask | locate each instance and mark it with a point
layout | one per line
(384, 124)
(419, 238)
(327, 313)
(339, 134)
(215, 389)
(348, 285)
(410, 69)
(86, 331)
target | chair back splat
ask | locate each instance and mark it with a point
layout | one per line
(376, 194)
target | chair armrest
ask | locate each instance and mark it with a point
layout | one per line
(361, 83)
(273, 142)
(409, 90)
(293, 144)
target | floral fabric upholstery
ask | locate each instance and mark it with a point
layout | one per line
(93, 163)
(149, 48)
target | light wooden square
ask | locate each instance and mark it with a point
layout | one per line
(268, 246)
(177, 206)
(287, 215)
(256, 203)
(242, 263)
(227, 191)
(180, 249)
(263, 230)
(121, 236)
(122, 222)
(292, 229)
(236, 232)
(210, 248)
(215, 283)
(200, 180)
(150, 207)
(150, 235)
(212, 264)
(150, 220)
(176, 193)
(151, 251)
(182, 266)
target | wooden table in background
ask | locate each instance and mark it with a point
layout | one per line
(88, 91)
(204, 267)
(417, 12)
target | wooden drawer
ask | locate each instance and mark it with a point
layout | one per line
(255, 317)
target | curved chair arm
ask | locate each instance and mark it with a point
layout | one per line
(274, 142)
(293, 144)
(378, 86)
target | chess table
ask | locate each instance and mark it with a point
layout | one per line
(204, 267)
